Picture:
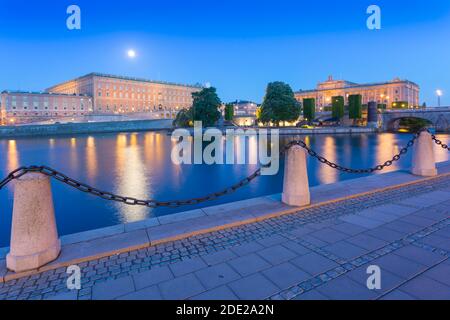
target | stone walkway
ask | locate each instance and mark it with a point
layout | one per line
(316, 253)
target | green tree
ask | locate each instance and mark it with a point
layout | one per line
(279, 104)
(309, 109)
(183, 118)
(229, 112)
(337, 107)
(206, 106)
(355, 107)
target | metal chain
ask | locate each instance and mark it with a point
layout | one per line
(333, 165)
(176, 203)
(439, 142)
(126, 200)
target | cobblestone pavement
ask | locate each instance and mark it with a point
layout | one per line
(316, 253)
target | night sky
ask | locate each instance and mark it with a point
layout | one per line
(237, 46)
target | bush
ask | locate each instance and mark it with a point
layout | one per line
(229, 112)
(183, 119)
(309, 109)
(355, 106)
(338, 107)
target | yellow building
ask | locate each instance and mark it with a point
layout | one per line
(394, 94)
(123, 95)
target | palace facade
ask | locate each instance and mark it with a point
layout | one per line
(394, 94)
(18, 107)
(123, 95)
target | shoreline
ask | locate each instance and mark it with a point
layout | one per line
(151, 125)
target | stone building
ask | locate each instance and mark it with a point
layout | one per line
(18, 107)
(124, 95)
(394, 94)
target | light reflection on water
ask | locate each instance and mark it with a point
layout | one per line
(139, 165)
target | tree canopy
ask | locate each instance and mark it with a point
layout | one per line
(206, 106)
(279, 104)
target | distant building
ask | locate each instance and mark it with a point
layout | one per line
(123, 95)
(23, 107)
(396, 93)
(244, 112)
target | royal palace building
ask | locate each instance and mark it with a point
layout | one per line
(123, 95)
(394, 94)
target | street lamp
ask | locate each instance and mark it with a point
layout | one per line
(439, 95)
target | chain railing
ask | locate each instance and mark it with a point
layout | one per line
(52, 173)
(439, 142)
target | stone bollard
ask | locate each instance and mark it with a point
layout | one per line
(423, 162)
(296, 185)
(34, 238)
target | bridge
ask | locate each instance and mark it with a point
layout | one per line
(438, 117)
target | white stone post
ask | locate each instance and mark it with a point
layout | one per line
(424, 162)
(34, 238)
(296, 185)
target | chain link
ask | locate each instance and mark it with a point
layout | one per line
(439, 142)
(338, 167)
(118, 198)
(177, 203)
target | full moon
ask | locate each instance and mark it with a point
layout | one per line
(131, 54)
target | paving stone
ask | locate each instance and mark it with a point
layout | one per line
(313, 263)
(150, 293)
(217, 275)
(396, 209)
(440, 273)
(72, 295)
(344, 288)
(181, 288)
(385, 234)
(271, 241)
(276, 254)
(187, 266)
(346, 250)
(329, 235)
(152, 277)
(249, 264)
(296, 247)
(367, 242)
(349, 228)
(417, 220)
(311, 295)
(389, 280)
(247, 248)
(301, 231)
(219, 257)
(403, 227)
(113, 288)
(286, 275)
(419, 255)
(362, 221)
(423, 287)
(398, 295)
(437, 241)
(254, 287)
(220, 293)
(401, 267)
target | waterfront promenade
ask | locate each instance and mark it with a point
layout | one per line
(396, 221)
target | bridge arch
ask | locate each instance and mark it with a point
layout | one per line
(394, 123)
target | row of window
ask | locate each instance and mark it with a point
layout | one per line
(143, 90)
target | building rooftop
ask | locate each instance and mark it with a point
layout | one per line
(42, 93)
(103, 75)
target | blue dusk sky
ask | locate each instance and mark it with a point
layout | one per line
(236, 45)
